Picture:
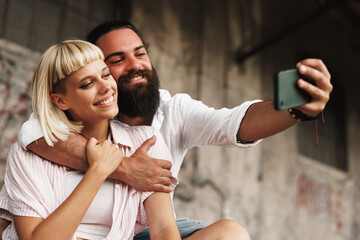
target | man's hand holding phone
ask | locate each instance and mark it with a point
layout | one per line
(310, 88)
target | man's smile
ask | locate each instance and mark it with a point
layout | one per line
(137, 79)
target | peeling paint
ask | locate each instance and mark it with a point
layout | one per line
(320, 199)
(16, 72)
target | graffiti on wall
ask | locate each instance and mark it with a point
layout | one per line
(320, 199)
(16, 69)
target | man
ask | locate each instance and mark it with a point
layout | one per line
(183, 122)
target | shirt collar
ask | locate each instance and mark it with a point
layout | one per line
(158, 119)
(120, 133)
(159, 115)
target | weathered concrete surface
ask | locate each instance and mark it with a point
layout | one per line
(272, 189)
(17, 65)
(276, 191)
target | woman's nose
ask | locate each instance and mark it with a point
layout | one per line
(105, 86)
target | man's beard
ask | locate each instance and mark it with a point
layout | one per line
(139, 100)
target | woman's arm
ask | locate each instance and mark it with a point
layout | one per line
(139, 170)
(160, 217)
(103, 159)
(158, 206)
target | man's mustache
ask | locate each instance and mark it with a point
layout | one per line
(126, 78)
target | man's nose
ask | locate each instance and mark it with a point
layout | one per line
(132, 64)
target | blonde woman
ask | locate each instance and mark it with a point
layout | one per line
(72, 90)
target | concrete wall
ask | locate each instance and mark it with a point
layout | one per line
(274, 189)
(277, 190)
(17, 65)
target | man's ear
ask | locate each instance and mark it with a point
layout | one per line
(59, 101)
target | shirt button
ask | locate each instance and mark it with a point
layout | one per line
(117, 186)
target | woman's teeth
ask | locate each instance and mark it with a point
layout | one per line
(107, 101)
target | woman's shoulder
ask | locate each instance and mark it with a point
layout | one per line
(18, 151)
(18, 157)
(20, 161)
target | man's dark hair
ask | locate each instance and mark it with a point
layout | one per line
(109, 26)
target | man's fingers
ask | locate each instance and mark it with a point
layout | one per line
(319, 99)
(164, 164)
(317, 64)
(166, 181)
(148, 143)
(321, 80)
(162, 188)
(314, 91)
(315, 69)
(165, 173)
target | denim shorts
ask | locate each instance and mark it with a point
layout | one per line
(186, 228)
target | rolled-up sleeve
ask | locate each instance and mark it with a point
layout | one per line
(204, 125)
(30, 131)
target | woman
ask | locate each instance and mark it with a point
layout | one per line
(72, 90)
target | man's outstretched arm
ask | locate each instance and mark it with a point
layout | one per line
(262, 120)
(139, 171)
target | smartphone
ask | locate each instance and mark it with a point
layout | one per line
(286, 92)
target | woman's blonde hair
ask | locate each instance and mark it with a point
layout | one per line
(55, 65)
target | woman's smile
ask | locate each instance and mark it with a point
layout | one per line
(106, 102)
(91, 93)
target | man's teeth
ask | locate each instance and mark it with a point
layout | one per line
(136, 78)
(107, 101)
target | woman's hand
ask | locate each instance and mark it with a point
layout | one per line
(103, 157)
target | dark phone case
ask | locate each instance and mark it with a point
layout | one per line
(286, 92)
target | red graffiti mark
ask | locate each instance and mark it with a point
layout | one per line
(5, 66)
(320, 199)
(14, 102)
(338, 209)
(9, 111)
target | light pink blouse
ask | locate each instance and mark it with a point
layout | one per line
(35, 187)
